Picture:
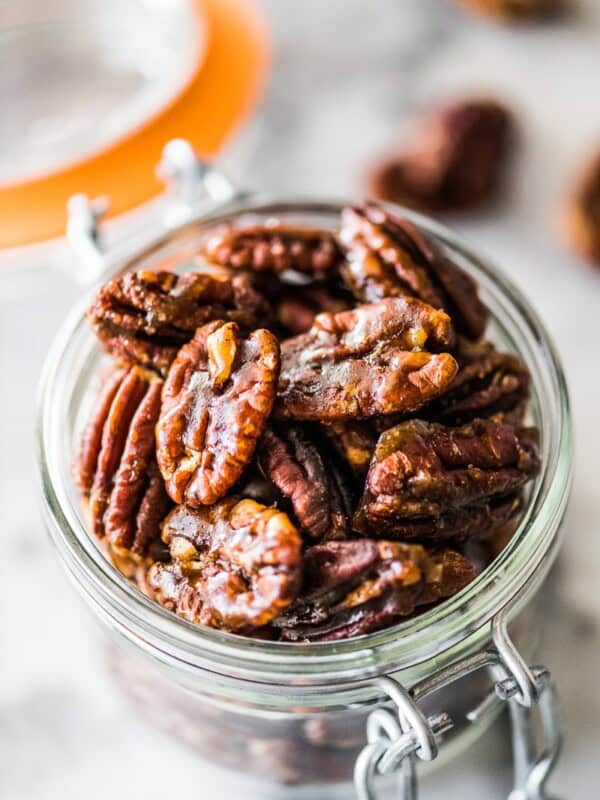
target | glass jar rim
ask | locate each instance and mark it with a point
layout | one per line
(515, 573)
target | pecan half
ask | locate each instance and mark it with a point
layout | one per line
(367, 361)
(353, 587)
(389, 257)
(583, 213)
(144, 317)
(488, 384)
(275, 248)
(235, 565)
(455, 161)
(423, 471)
(216, 400)
(116, 467)
(514, 10)
(477, 522)
(295, 465)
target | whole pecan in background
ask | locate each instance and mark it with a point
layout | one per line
(235, 565)
(351, 588)
(276, 248)
(216, 400)
(514, 10)
(389, 257)
(454, 161)
(367, 361)
(424, 471)
(144, 317)
(116, 467)
(583, 213)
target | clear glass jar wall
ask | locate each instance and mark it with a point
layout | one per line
(288, 712)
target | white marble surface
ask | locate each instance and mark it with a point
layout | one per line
(346, 75)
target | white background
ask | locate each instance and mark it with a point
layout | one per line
(347, 74)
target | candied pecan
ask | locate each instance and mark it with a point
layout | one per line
(423, 471)
(294, 464)
(275, 248)
(91, 439)
(366, 361)
(473, 523)
(583, 213)
(514, 10)
(455, 161)
(389, 257)
(216, 400)
(297, 306)
(488, 384)
(235, 565)
(353, 587)
(117, 466)
(144, 317)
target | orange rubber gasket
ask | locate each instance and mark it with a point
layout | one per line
(222, 90)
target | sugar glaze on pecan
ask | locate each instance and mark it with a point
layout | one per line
(276, 248)
(116, 468)
(368, 361)
(423, 471)
(144, 317)
(388, 257)
(235, 565)
(216, 400)
(354, 587)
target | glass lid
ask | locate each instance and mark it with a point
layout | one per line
(95, 88)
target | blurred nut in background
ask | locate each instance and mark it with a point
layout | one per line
(454, 161)
(583, 212)
(514, 10)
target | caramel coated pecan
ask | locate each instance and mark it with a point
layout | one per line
(455, 161)
(216, 400)
(275, 248)
(389, 257)
(583, 213)
(354, 587)
(488, 384)
(475, 522)
(144, 317)
(116, 467)
(295, 465)
(423, 471)
(235, 565)
(367, 361)
(514, 10)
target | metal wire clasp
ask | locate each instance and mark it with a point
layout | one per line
(192, 185)
(396, 742)
(393, 744)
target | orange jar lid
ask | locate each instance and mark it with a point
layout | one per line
(221, 90)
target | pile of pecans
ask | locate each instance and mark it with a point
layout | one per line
(300, 440)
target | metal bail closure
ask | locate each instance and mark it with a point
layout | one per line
(192, 186)
(526, 689)
(395, 743)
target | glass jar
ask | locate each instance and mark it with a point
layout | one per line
(302, 714)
